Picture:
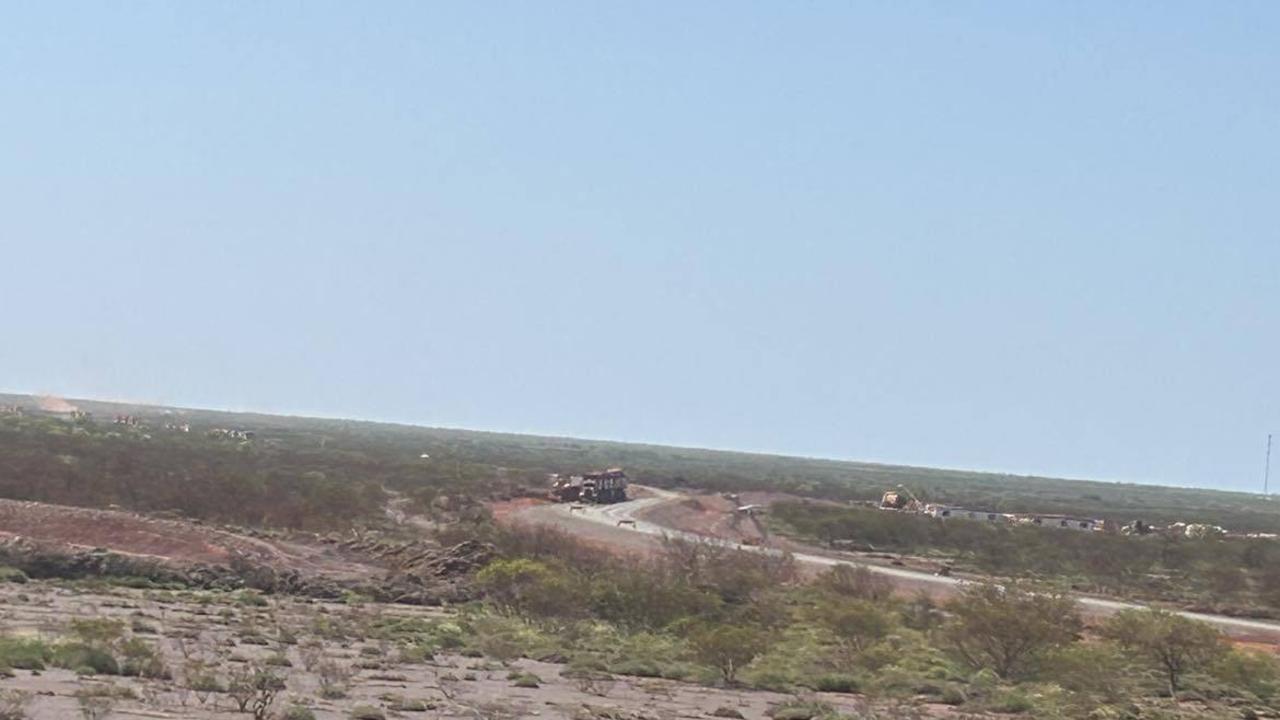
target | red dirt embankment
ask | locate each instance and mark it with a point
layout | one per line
(177, 541)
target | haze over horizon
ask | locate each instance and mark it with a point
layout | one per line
(1037, 240)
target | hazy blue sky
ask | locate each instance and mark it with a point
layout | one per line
(1032, 237)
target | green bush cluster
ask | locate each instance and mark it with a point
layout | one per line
(1235, 573)
(92, 647)
(727, 617)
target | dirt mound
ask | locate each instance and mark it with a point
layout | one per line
(58, 541)
(424, 573)
(124, 532)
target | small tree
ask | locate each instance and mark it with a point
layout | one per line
(531, 589)
(254, 690)
(857, 581)
(200, 679)
(1006, 629)
(95, 707)
(1175, 644)
(727, 648)
(855, 625)
(1255, 671)
(99, 632)
(334, 679)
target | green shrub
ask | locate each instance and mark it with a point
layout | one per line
(415, 654)
(1009, 629)
(1255, 672)
(727, 648)
(952, 695)
(637, 668)
(1096, 669)
(1172, 644)
(367, 712)
(526, 680)
(532, 589)
(81, 657)
(1011, 700)
(250, 598)
(298, 712)
(836, 683)
(802, 710)
(205, 682)
(12, 575)
(13, 704)
(23, 653)
(408, 705)
(98, 632)
(141, 659)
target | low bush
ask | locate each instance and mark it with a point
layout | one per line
(24, 653)
(803, 710)
(12, 575)
(525, 680)
(298, 712)
(367, 712)
(13, 704)
(400, 704)
(85, 659)
(836, 683)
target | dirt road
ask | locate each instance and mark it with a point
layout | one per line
(625, 523)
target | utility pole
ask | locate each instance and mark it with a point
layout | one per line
(1266, 474)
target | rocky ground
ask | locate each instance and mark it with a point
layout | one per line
(54, 541)
(296, 639)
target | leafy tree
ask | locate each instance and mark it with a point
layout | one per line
(1006, 629)
(142, 659)
(855, 625)
(1257, 672)
(254, 690)
(1099, 670)
(636, 597)
(1175, 644)
(532, 589)
(727, 648)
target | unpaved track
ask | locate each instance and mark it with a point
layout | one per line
(625, 522)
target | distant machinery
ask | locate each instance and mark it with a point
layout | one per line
(901, 499)
(601, 488)
(752, 513)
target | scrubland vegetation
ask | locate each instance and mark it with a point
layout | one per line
(692, 613)
(312, 479)
(304, 468)
(711, 615)
(1234, 575)
(555, 613)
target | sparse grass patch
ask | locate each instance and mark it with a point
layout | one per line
(298, 712)
(85, 659)
(12, 575)
(367, 712)
(24, 653)
(13, 704)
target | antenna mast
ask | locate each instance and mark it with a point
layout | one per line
(1266, 474)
